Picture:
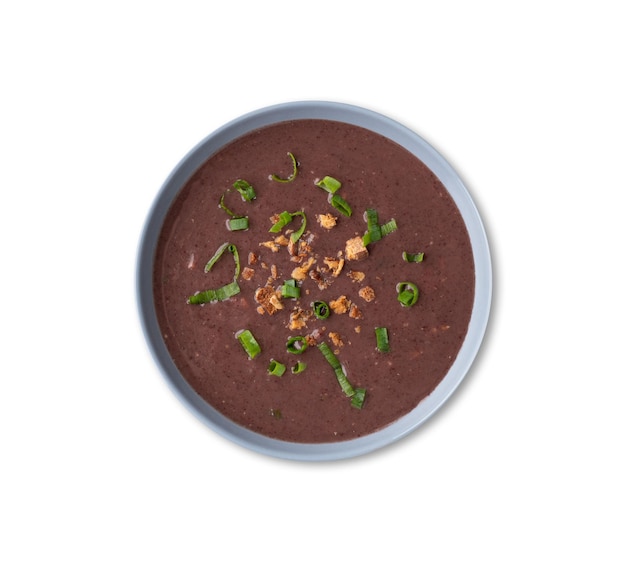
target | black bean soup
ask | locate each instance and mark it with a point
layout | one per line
(339, 216)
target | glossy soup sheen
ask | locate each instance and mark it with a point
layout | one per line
(424, 339)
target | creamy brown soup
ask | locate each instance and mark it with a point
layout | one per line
(361, 292)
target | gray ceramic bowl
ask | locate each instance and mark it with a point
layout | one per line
(379, 124)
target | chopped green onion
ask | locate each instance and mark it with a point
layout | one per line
(249, 343)
(298, 368)
(358, 398)
(295, 236)
(226, 291)
(276, 368)
(283, 219)
(238, 223)
(245, 190)
(215, 295)
(331, 185)
(375, 231)
(413, 258)
(218, 254)
(294, 173)
(382, 340)
(389, 227)
(290, 289)
(223, 205)
(321, 309)
(340, 204)
(408, 293)
(297, 345)
(332, 360)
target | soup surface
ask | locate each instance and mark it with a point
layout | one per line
(317, 250)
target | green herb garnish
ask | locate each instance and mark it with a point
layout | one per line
(245, 190)
(228, 290)
(321, 309)
(331, 185)
(358, 398)
(297, 345)
(290, 289)
(340, 204)
(332, 360)
(413, 258)
(408, 293)
(298, 368)
(249, 343)
(375, 231)
(382, 340)
(294, 173)
(284, 219)
(276, 368)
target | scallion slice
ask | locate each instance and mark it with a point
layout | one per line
(382, 339)
(249, 343)
(294, 173)
(297, 345)
(215, 295)
(290, 289)
(276, 368)
(245, 190)
(321, 309)
(284, 219)
(358, 398)
(332, 360)
(408, 293)
(238, 223)
(389, 227)
(413, 258)
(298, 368)
(331, 185)
(218, 254)
(295, 236)
(340, 204)
(375, 231)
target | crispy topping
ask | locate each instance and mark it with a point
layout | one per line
(355, 312)
(335, 265)
(317, 276)
(341, 305)
(356, 276)
(247, 273)
(335, 338)
(367, 294)
(269, 299)
(252, 258)
(298, 319)
(327, 221)
(271, 245)
(355, 249)
(300, 273)
(282, 240)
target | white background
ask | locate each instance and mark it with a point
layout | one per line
(99, 101)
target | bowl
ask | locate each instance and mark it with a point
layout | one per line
(386, 127)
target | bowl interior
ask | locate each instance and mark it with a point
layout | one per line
(410, 141)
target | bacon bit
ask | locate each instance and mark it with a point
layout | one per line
(357, 329)
(367, 294)
(327, 221)
(300, 273)
(269, 299)
(336, 339)
(356, 276)
(335, 265)
(247, 273)
(341, 305)
(282, 240)
(252, 258)
(271, 245)
(355, 312)
(355, 249)
(260, 310)
(274, 271)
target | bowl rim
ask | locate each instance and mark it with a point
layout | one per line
(378, 123)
